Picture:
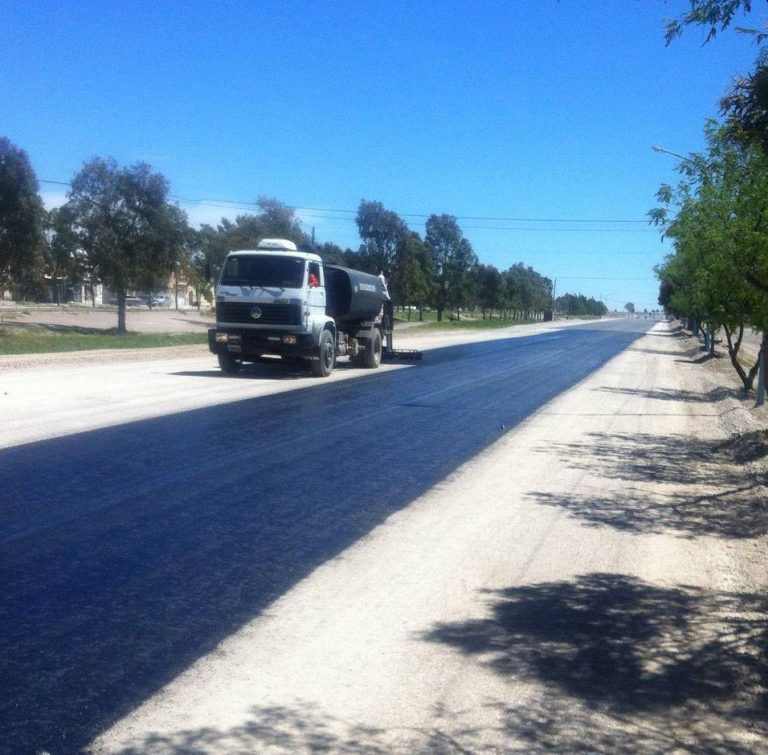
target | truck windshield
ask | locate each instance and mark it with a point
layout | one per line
(263, 270)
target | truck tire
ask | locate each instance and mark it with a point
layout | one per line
(323, 366)
(372, 353)
(229, 364)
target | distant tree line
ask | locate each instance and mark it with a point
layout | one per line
(439, 271)
(577, 305)
(119, 228)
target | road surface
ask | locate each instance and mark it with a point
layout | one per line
(409, 559)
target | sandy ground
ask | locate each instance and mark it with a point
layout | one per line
(594, 581)
(139, 319)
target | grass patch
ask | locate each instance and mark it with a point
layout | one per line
(27, 341)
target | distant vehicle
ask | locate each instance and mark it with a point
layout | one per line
(134, 301)
(158, 301)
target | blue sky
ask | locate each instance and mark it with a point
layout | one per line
(523, 119)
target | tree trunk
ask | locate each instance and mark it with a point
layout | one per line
(763, 372)
(747, 378)
(121, 311)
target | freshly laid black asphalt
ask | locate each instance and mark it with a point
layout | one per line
(129, 552)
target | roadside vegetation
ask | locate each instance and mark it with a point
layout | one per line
(41, 340)
(716, 278)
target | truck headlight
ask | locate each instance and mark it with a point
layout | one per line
(290, 340)
(221, 337)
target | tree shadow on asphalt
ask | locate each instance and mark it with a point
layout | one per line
(667, 668)
(699, 487)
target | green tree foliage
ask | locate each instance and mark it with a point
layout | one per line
(273, 220)
(578, 305)
(630, 307)
(452, 261)
(490, 289)
(713, 15)
(745, 105)
(412, 276)
(129, 233)
(21, 217)
(383, 234)
(333, 254)
(526, 291)
(718, 272)
(63, 259)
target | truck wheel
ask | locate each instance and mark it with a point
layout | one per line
(323, 366)
(229, 364)
(372, 353)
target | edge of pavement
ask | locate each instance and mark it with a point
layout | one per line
(425, 340)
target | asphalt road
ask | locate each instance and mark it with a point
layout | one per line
(130, 551)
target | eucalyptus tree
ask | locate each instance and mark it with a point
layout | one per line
(21, 217)
(128, 231)
(490, 288)
(383, 234)
(412, 275)
(452, 260)
(62, 256)
(273, 219)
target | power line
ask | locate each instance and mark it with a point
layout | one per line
(238, 204)
(601, 278)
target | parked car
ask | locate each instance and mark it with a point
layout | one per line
(134, 301)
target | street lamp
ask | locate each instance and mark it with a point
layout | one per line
(665, 151)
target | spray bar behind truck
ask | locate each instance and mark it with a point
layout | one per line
(391, 354)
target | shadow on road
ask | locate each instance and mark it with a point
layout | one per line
(618, 666)
(670, 394)
(666, 668)
(733, 506)
(131, 551)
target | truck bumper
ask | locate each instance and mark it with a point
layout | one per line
(249, 345)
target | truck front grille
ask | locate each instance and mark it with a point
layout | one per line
(271, 314)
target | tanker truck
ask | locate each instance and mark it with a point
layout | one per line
(276, 301)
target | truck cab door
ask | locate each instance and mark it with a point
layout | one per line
(315, 288)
